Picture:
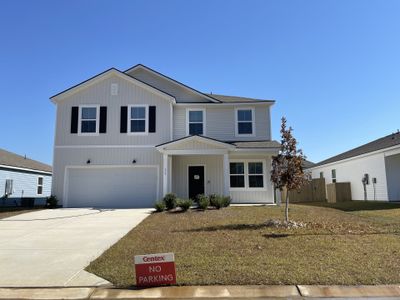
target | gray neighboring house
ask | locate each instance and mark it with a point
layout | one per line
(23, 178)
(377, 162)
(125, 139)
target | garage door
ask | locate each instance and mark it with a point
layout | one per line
(112, 187)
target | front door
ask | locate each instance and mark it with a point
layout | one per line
(196, 181)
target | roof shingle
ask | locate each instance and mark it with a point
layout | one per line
(236, 99)
(14, 160)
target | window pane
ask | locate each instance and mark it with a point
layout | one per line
(138, 126)
(40, 180)
(256, 181)
(196, 128)
(138, 113)
(245, 128)
(244, 115)
(236, 168)
(196, 116)
(334, 173)
(39, 190)
(88, 126)
(89, 112)
(237, 180)
(255, 168)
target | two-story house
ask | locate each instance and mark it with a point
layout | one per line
(125, 139)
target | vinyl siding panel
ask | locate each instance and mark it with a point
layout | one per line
(392, 164)
(24, 184)
(101, 157)
(220, 123)
(353, 170)
(100, 94)
(194, 145)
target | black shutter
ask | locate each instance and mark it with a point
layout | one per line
(152, 119)
(124, 119)
(74, 119)
(103, 119)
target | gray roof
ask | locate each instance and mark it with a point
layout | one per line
(256, 144)
(308, 164)
(379, 144)
(235, 99)
(14, 160)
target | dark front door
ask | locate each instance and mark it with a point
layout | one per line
(196, 181)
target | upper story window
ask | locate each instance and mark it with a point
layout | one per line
(40, 186)
(138, 123)
(195, 122)
(89, 116)
(244, 121)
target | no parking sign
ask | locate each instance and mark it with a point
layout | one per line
(155, 269)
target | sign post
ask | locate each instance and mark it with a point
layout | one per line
(155, 269)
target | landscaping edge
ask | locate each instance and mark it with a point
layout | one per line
(203, 292)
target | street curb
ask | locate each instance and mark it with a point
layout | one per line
(203, 292)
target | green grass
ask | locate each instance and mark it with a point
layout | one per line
(6, 212)
(232, 246)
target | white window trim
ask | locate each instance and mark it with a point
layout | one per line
(334, 179)
(146, 122)
(204, 119)
(246, 175)
(97, 120)
(252, 120)
(38, 185)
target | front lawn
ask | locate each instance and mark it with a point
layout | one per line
(6, 212)
(232, 246)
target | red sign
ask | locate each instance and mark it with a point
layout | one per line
(155, 269)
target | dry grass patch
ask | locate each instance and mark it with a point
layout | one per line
(233, 246)
(6, 212)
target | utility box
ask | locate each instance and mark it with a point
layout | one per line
(338, 192)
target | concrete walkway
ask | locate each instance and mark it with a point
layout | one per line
(52, 247)
(210, 292)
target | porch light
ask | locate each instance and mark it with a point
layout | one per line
(134, 161)
(88, 161)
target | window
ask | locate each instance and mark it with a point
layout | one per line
(256, 176)
(40, 186)
(138, 119)
(9, 187)
(237, 174)
(195, 122)
(88, 119)
(321, 174)
(247, 174)
(245, 121)
(333, 175)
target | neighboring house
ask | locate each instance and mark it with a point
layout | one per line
(377, 162)
(21, 177)
(125, 139)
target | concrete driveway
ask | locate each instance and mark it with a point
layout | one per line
(52, 247)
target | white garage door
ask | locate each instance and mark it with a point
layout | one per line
(112, 187)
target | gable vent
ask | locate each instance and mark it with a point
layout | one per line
(114, 89)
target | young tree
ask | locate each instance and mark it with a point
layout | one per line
(287, 166)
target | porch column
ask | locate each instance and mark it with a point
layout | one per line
(165, 174)
(226, 174)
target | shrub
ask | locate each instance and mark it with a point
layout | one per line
(170, 201)
(213, 198)
(184, 204)
(159, 206)
(51, 202)
(226, 201)
(203, 201)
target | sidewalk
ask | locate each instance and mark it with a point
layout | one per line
(206, 292)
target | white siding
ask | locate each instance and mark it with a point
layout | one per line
(220, 123)
(353, 171)
(24, 183)
(100, 156)
(100, 94)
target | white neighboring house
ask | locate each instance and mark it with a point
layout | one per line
(377, 161)
(23, 178)
(125, 139)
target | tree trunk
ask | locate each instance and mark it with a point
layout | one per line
(287, 207)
